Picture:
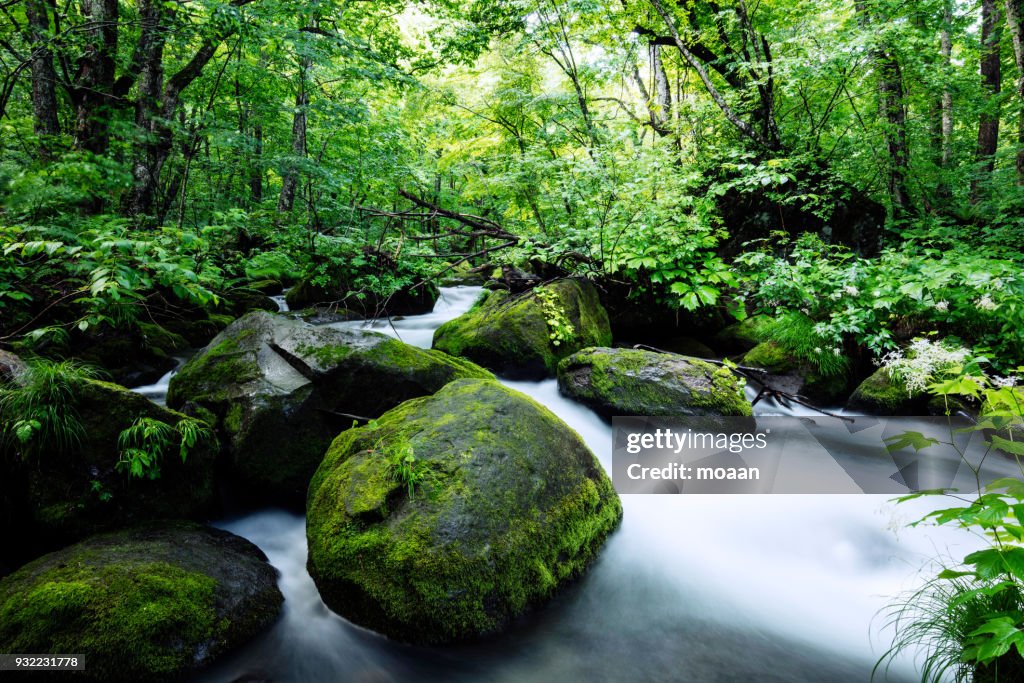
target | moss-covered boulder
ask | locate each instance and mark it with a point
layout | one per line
(148, 604)
(787, 373)
(880, 394)
(525, 335)
(63, 493)
(279, 390)
(504, 504)
(632, 382)
(742, 336)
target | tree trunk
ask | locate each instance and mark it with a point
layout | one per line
(988, 124)
(892, 107)
(44, 77)
(94, 86)
(256, 173)
(891, 96)
(148, 109)
(1015, 21)
(946, 49)
(291, 177)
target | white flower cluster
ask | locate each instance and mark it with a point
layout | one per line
(851, 290)
(985, 303)
(918, 364)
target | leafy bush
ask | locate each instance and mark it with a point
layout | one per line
(878, 303)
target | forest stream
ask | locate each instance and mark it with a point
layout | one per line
(695, 588)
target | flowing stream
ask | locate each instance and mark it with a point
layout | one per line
(691, 588)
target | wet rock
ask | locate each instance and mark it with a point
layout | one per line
(506, 504)
(147, 604)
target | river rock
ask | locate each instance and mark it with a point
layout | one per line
(279, 390)
(632, 382)
(61, 495)
(789, 374)
(147, 604)
(506, 505)
(880, 394)
(511, 334)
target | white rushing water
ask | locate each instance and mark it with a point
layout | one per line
(692, 588)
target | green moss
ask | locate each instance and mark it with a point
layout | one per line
(883, 395)
(135, 619)
(511, 335)
(215, 371)
(771, 357)
(146, 604)
(816, 385)
(744, 335)
(515, 505)
(633, 382)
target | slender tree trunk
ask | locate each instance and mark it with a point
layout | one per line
(290, 183)
(942, 131)
(891, 99)
(988, 124)
(148, 109)
(95, 84)
(44, 77)
(256, 172)
(892, 107)
(1015, 22)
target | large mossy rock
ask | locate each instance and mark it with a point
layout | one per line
(148, 604)
(880, 394)
(511, 334)
(788, 373)
(509, 504)
(279, 390)
(631, 382)
(61, 495)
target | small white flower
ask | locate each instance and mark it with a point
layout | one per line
(1009, 381)
(817, 349)
(985, 303)
(805, 311)
(997, 283)
(836, 350)
(942, 306)
(851, 290)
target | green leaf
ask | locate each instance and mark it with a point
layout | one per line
(915, 440)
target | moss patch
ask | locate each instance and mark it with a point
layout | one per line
(879, 394)
(140, 605)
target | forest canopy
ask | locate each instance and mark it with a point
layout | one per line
(857, 165)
